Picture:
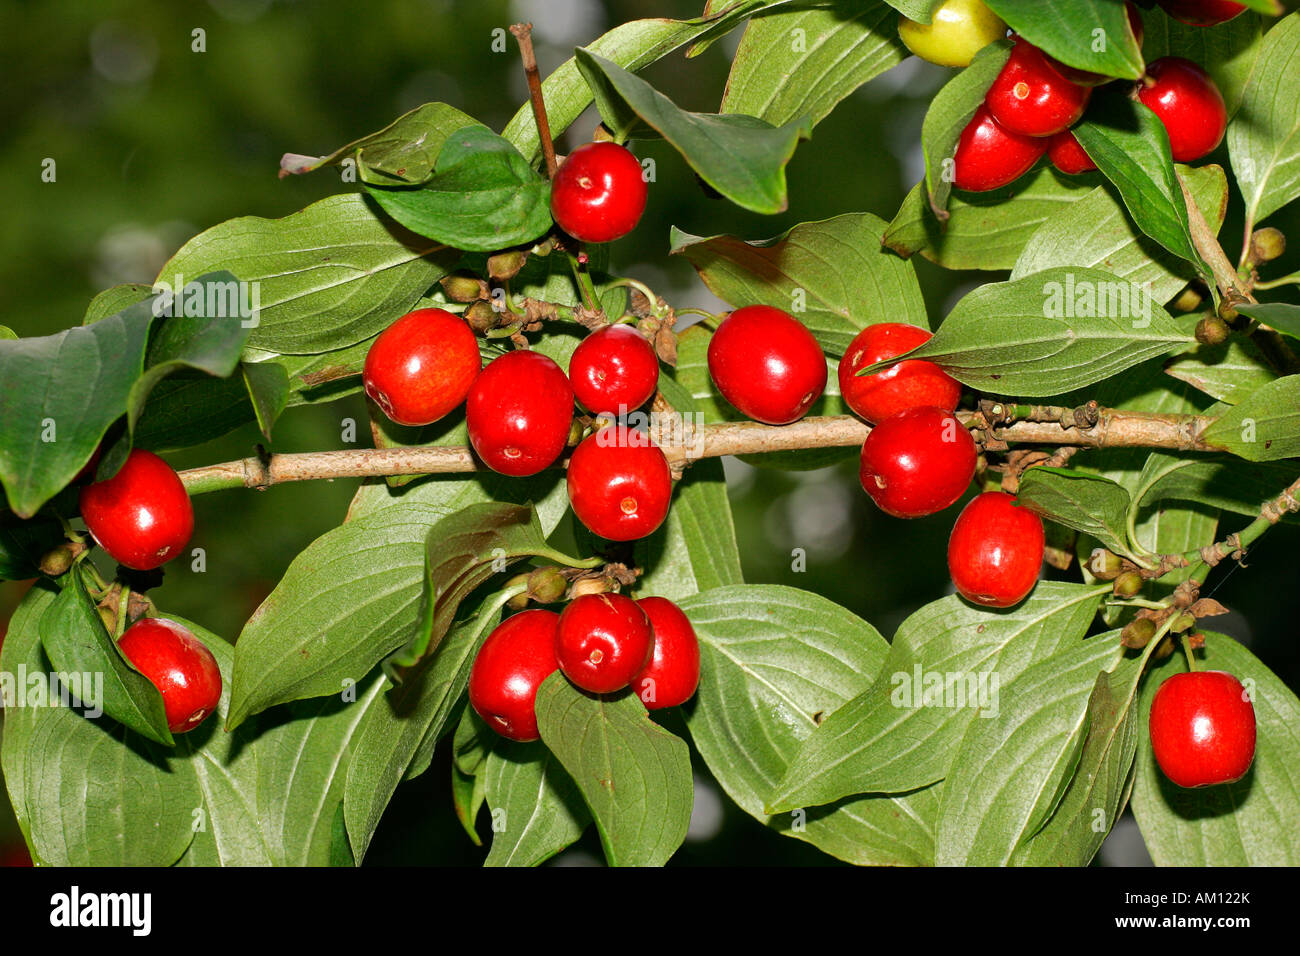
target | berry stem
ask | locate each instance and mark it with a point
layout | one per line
(523, 33)
(586, 287)
(1292, 279)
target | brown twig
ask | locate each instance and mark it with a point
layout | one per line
(523, 32)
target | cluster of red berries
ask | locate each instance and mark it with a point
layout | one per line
(603, 643)
(1035, 99)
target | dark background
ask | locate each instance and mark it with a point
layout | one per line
(155, 143)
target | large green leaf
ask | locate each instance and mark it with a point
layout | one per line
(774, 661)
(1264, 426)
(1088, 503)
(943, 666)
(1283, 316)
(1218, 481)
(1264, 137)
(326, 277)
(833, 275)
(1228, 371)
(1088, 34)
(1247, 823)
(950, 112)
(483, 195)
(634, 776)
(803, 61)
(740, 156)
(536, 808)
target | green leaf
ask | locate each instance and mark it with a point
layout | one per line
(949, 113)
(1088, 34)
(326, 277)
(1058, 329)
(985, 230)
(1229, 371)
(482, 196)
(61, 393)
(774, 661)
(1217, 481)
(902, 732)
(1096, 232)
(7, 333)
(268, 390)
(740, 156)
(1011, 768)
(832, 274)
(190, 408)
(1247, 823)
(536, 808)
(1264, 426)
(1095, 797)
(1129, 144)
(1283, 316)
(22, 543)
(778, 74)
(634, 776)
(404, 151)
(115, 299)
(1264, 138)
(1087, 503)
(468, 794)
(75, 642)
(1227, 53)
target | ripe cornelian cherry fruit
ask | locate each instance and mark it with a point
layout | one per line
(1032, 97)
(1202, 13)
(614, 369)
(422, 366)
(1203, 728)
(512, 663)
(672, 674)
(767, 364)
(995, 550)
(908, 384)
(604, 640)
(142, 516)
(917, 462)
(1189, 105)
(599, 193)
(619, 483)
(518, 413)
(179, 665)
(989, 156)
(1067, 155)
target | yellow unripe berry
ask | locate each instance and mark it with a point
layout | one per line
(959, 30)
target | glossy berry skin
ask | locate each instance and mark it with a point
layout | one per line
(512, 663)
(1032, 97)
(1202, 13)
(767, 364)
(672, 674)
(995, 550)
(1202, 729)
(422, 366)
(599, 193)
(957, 31)
(989, 157)
(917, 462)
(909, 384)
(1068, 156)
(619, 484)
(614, 369)
(179, 665)
(604, 640)
(1189, 105)
(518, 413)
(142, 516)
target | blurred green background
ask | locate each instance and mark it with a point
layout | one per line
(155, 142)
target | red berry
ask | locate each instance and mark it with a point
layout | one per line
(1031, 96)
(604, 640)
(671, 675)
(1188, 103)
(995, 550)
(767, 364)
(908, 384)
(512, 663)
(1202, 13)
(619, 484)
(1067, 155)
(917, 462)
(989, 156)
(614, 369)
(1203, 729)
(599, 193)
(179, 665)
(518, 413)
(422, 366)
(142, 516)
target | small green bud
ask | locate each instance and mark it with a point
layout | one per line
(547, 585)
(1183, 622)
(1164, 648)
(59, 559)
(1104, 565)
(463, 288)
(1128, 584)
(1189, 300)
(1212, 330)
(506, 265)
(519, 601)
(481, 317)
(1267, 244)
(1138, 632)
